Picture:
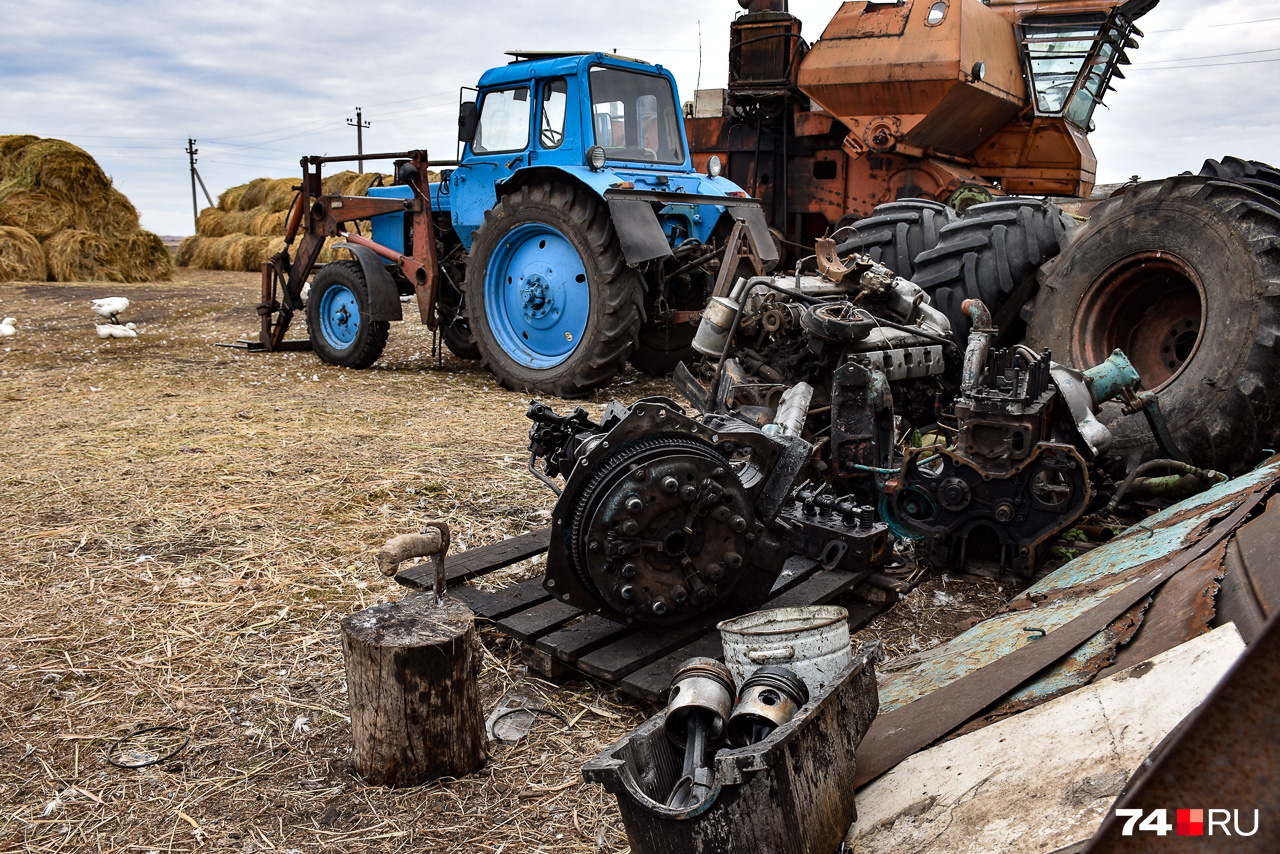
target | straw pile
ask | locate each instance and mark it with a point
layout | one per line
(55, 195)
(247, 226)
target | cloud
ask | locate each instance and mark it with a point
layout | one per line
(261, 84)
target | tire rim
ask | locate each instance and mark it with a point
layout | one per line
(339, 316)
(537, 297)
(1152, 306)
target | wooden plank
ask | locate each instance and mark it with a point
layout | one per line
(504, 602)
(653, 681)
(629, 654)
(817, 589)
(532, 623)
(472, 563)
(569, 643)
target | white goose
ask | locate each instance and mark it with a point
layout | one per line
(110, 308)
(115, 330)
(8, 327)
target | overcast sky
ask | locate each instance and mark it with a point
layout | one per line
(260, 83)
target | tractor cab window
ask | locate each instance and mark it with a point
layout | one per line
(1071, 60)
(555, 95)
(634, 116)
(504, 121)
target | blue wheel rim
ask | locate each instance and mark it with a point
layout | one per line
(537, 297)
(339, 316)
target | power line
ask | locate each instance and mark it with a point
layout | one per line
(1203, 65)
(1214, 26)
(1218, 55)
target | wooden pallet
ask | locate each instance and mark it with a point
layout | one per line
(559, 638)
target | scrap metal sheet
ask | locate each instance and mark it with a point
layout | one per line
(1066, 594)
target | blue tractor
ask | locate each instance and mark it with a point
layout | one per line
(573, 233)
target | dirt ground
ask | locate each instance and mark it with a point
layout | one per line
(189, 523)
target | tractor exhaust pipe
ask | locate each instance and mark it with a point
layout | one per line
(754, 6)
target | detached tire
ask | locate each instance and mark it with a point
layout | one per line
(992, 254)
(551, 304)
(661, 347)
(1184, 276)
(1249, 173)
(896, 232)
(342, 332)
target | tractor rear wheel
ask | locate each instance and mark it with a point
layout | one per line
(896, 232)
(339, 324)
(551, 304)
(1184, 276)
(992, 254)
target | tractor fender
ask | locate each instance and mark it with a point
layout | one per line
(636, 224)
(384, 296)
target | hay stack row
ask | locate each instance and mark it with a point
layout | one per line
(247, 226)
(61, 220)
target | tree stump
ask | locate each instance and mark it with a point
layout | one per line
(412, 683)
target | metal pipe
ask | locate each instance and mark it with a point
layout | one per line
(1207, 475)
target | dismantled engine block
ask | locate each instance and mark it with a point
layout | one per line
(664, 517)
(834, 411)
(983, 455)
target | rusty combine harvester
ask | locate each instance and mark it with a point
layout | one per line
(957, 101)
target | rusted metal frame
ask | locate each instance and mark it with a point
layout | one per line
(897, 734)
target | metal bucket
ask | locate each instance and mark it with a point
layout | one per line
(811, 642)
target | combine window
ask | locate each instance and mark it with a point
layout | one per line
(1071, 60)
(504, 121)
(634, 116)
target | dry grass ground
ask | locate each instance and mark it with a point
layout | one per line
(187, 524)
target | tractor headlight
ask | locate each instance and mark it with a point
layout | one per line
(595, 157)
(714, 166)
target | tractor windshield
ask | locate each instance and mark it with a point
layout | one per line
(634, 116)
(1071, 60)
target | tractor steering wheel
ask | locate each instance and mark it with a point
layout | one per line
(551, 138)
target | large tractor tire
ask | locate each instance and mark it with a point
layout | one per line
(1184, 276)
(992, 254)
(338, 321)
(551, 304)
(661, 347)
(1251, 173)
(896, 232)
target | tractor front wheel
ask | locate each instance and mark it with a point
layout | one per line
(551, 304)
(341, 329)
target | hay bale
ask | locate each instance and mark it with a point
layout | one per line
(21, 258)
(51, 164)
(39, 214)
(186, 249)
(230, 198)
(280, 193)
(145, 258)
(270, 224)
(82, 256)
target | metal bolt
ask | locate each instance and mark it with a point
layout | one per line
(634, 504)
(679, 595)
(719, 472)
(659, 607)
(670, 485)
(641, 475)
(1004, 512)
(593, 546)
(868, 517)
(689, 493)
(733, 560)
(738, 524)
(628, 570)
(630, 527)
(626, 591)
(720, 514)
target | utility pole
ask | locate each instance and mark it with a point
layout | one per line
(191, 156)
(359, 124)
